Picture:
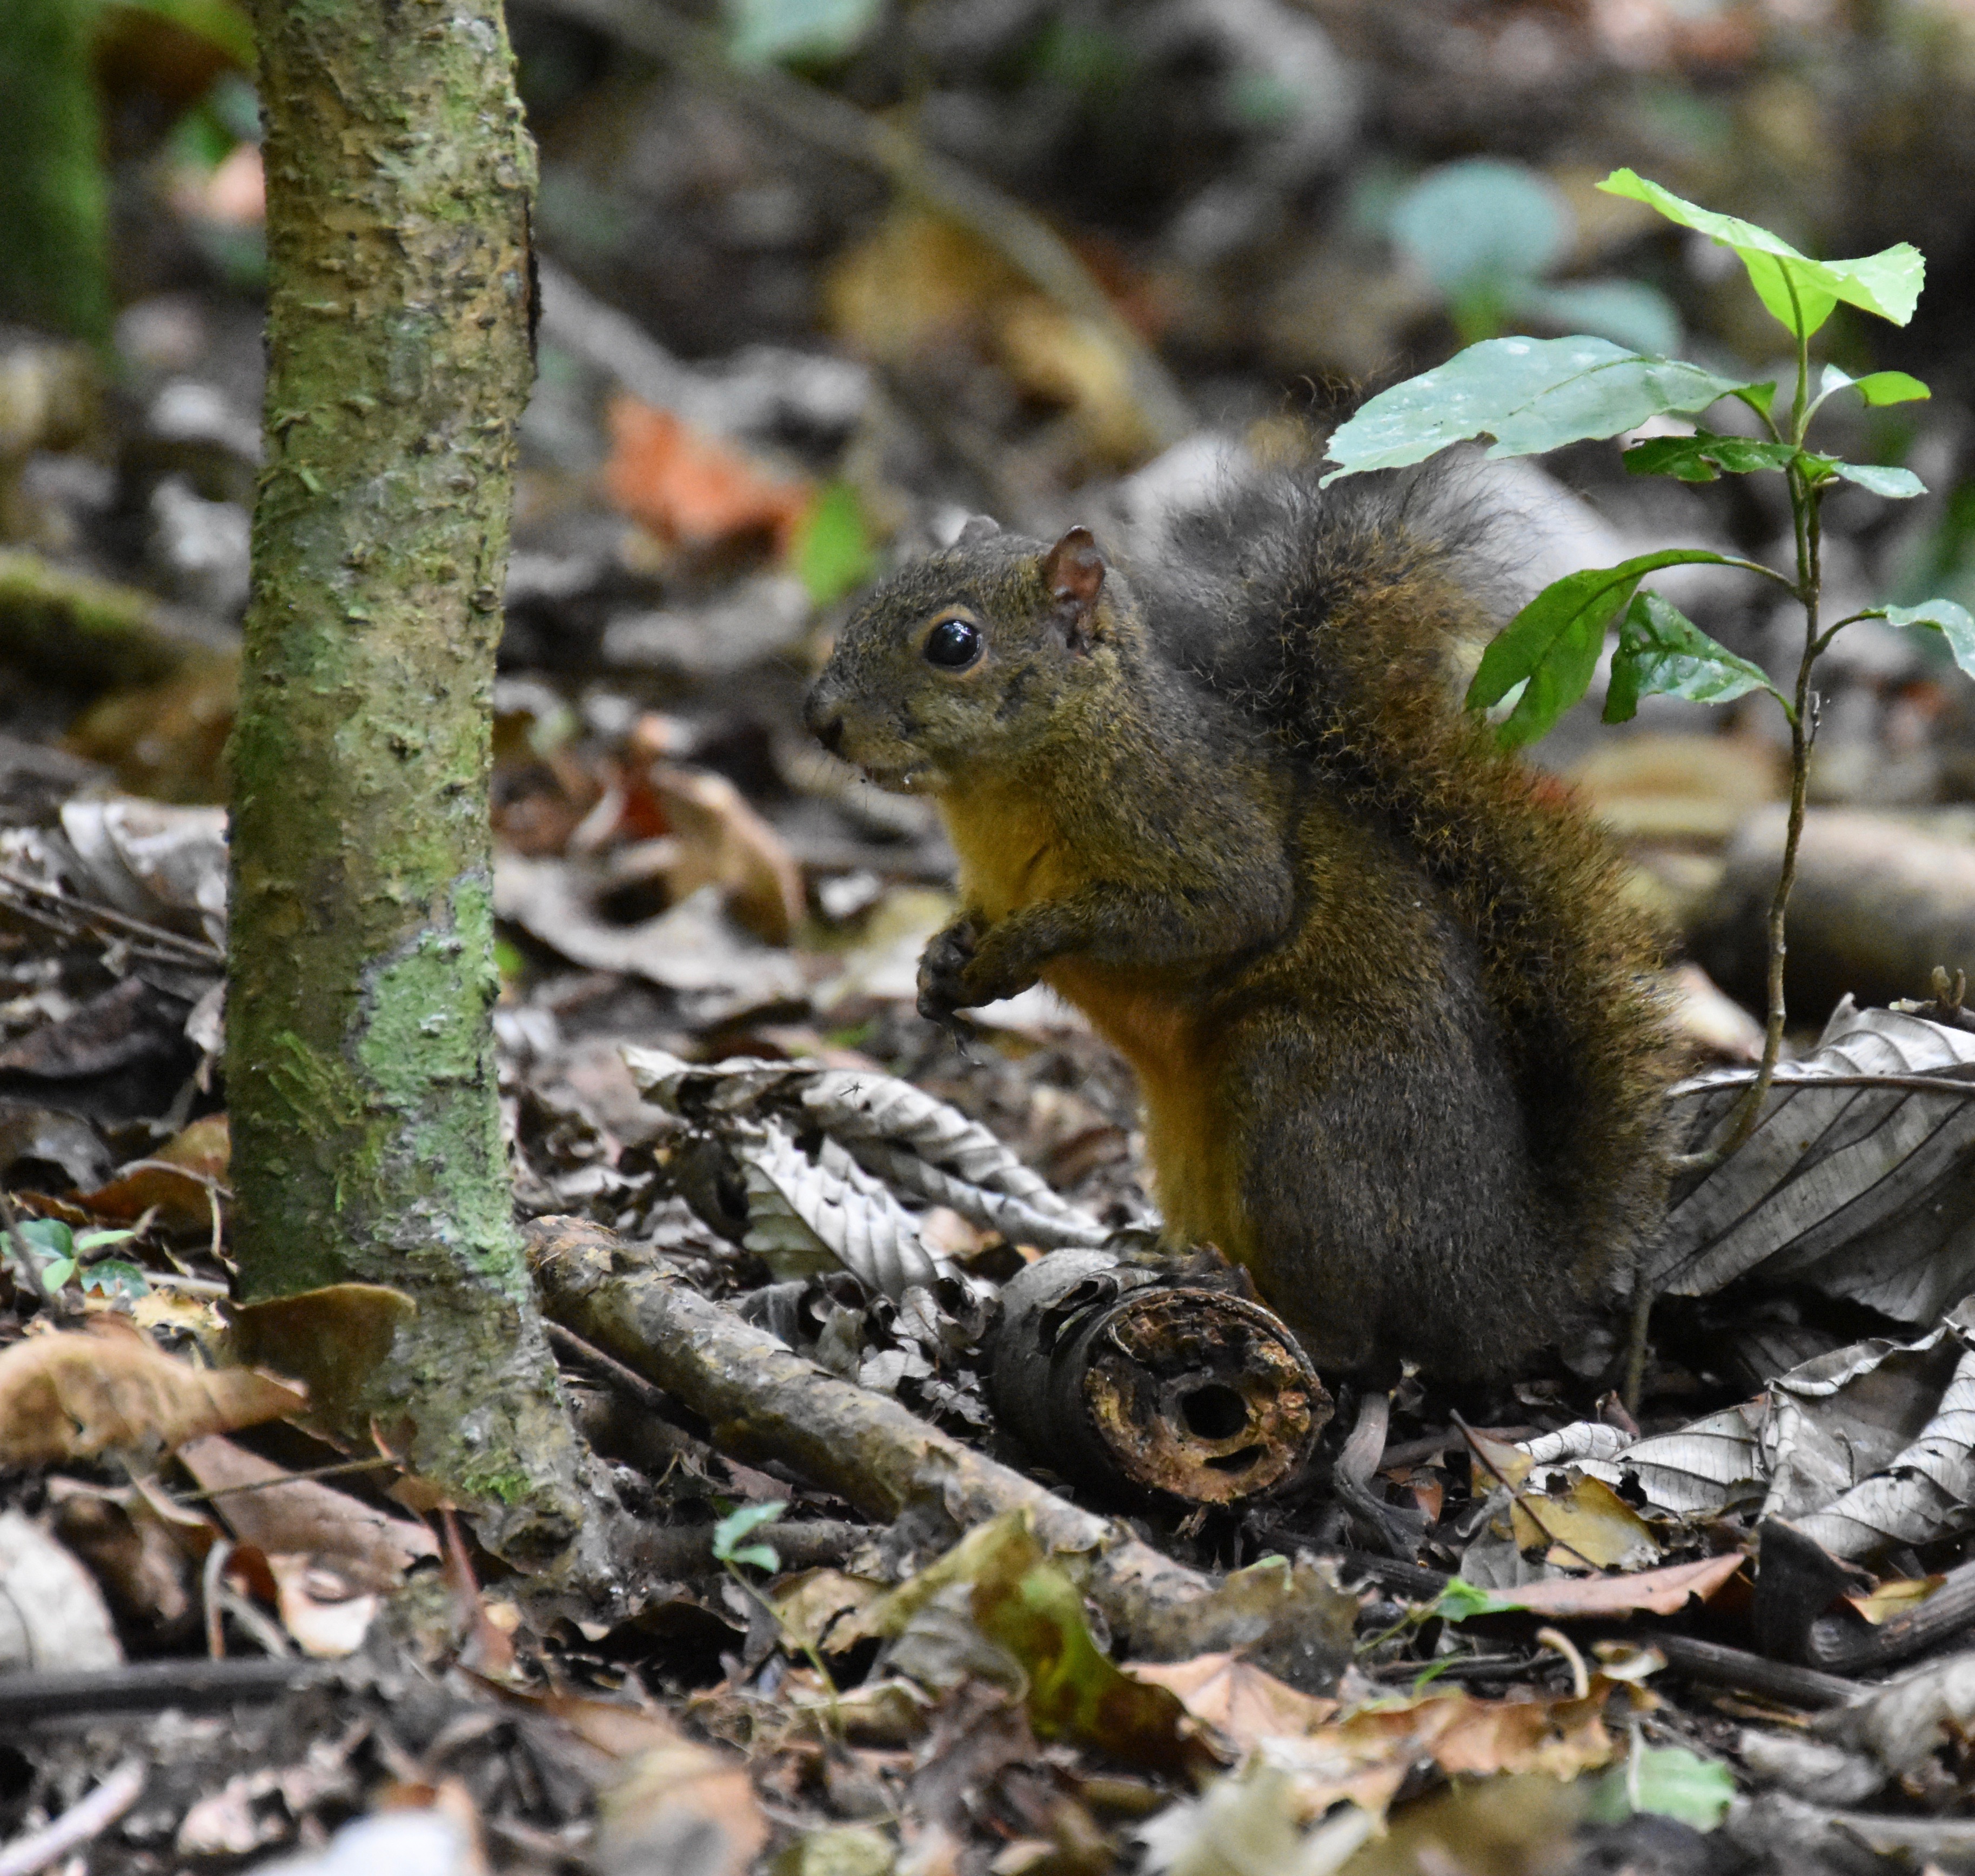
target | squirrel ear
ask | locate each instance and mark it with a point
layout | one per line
(1073, 571)
(977, 527)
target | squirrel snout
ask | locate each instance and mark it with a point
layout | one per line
(824, 722)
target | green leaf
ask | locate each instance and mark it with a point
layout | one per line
(1946, 617)
(49, 1234)
(831, 554)
(1627, 312)
(1461, 1599)
(1662, 652)
(798, 31)
(1482, 220)
(737, 1525)
(1529, 394)
(1668, 1780)
(1553, 642)
(113, 1277)
(1887, 283)
(56, 1273)
(1894, 484)
(760, 1556)
(1890, 387)
(101, 1240)
(1701, 457)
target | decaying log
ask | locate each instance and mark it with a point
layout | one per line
(762, 1401)
(1123, 1380)
(1878, 904)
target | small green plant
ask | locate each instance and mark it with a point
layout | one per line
(731, 1551)
(1530, 396)
(59, 1253)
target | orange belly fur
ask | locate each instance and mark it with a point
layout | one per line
(1009, 857)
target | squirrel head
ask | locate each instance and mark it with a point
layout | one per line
(974, 659)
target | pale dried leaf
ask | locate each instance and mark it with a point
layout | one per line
(1858, 1191)
(1236, 1697)
(798, 1207)
(283, 1516)
(1699, 1471)
(1924, 1492)
(66, 1396)
(52, 1612)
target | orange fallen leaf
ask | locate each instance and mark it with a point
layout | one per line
(1657, 1592)
(290, 1517)
(178, 1179)
(1238, 1699)
(72, 1396)
(686, 485)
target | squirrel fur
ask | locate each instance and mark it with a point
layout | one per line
(1389, 1009)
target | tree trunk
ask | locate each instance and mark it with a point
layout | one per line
(360, 1071)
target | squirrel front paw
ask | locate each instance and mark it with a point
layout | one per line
(943, 974)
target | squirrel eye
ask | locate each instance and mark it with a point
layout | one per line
(953, 644)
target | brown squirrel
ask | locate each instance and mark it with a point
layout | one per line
(1390, 1014)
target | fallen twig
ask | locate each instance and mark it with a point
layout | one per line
(762, 1400)
(81, 1823)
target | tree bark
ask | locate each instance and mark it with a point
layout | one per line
(360, 1071)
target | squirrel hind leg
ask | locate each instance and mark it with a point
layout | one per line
(1389, 1202)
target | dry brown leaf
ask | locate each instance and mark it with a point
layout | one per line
(1585, 1525)
(69, 1396)
(1655, 1592)
(678, 1806)
(684, 484)
(724, 842)
(283, 1516)
(176, 1179)
(333, 1338)
(1234, 1697)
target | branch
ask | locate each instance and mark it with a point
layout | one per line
(762, 1400)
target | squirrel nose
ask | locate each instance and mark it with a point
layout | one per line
(826, 726)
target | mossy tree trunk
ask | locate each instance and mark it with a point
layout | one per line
(360, 1070)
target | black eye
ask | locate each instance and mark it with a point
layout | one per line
(953, 644)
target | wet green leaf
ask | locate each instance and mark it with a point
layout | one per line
(1946, 617)
(1701, 457)
(1887, 283)
(1551, 646)
(113, 1277)
(1482, 220)
(1529, 394)
(1662, 652)
(1895, 484)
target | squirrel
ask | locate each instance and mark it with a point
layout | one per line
(1391, 1013)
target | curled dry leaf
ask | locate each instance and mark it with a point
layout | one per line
(724, 842)
(879, 1135)
(73, 1396)
(179, 1179)
(52, 1612)
(1856, 1191)
(1863, 1448)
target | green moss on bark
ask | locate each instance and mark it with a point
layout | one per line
(360, 1069)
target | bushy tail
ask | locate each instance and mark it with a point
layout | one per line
(1333, 617)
